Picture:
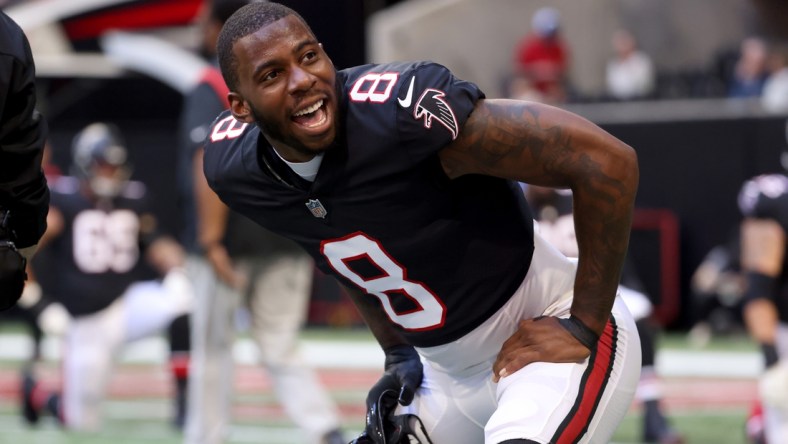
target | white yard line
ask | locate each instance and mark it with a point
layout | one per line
(366, 355)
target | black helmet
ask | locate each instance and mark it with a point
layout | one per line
(101, 145)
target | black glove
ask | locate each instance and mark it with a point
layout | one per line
(12, 274)
(401, 377)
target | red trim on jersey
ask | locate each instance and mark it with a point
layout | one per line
(213, 77)
(138, 15)
(592, 387)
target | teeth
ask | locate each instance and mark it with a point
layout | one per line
(316, 124)
(309, 110)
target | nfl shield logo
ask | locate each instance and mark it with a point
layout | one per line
(317, 209)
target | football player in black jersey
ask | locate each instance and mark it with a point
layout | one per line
(400, 180)
(763, 201)
(100, 234)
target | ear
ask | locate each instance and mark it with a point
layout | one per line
(240, 108)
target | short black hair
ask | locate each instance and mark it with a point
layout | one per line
(243, 22)
(221, 10)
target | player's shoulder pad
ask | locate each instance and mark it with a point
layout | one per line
(760, 195)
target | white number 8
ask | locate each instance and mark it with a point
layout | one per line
(430, 312)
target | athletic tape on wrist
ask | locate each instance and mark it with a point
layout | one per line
(580, 331)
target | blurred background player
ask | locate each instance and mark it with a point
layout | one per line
(100, 229)
(763, 202)
(553, 211)
(246, 266)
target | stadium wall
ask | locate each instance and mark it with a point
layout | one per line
(476, 38)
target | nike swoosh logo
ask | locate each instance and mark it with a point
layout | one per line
(406, 103)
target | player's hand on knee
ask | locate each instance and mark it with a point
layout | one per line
(542, 339)
(401, 378)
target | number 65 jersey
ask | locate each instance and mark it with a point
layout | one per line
(440, 255)
(98, 252)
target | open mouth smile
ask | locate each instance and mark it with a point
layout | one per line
(311, 117)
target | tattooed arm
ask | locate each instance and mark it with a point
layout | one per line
(544, 145)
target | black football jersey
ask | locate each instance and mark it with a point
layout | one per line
(766, 197)
(97, 255)
(440, 255)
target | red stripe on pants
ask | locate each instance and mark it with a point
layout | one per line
(591, 388)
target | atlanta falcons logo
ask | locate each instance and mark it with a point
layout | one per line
(431, 106)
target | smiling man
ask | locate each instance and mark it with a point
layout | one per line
(401, 181)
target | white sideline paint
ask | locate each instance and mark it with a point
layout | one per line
(321, 354)
(367, 355)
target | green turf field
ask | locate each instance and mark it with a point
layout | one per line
(144, 419)
(713, 426)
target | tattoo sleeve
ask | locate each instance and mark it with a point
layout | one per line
(543, 145)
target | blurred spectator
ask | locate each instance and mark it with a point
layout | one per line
(522, 88)
(630, 73)
(749, 73)
(775, 91)
(542, 57)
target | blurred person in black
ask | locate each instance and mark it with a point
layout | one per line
(763, 201)
(24, 196)
(235, 263)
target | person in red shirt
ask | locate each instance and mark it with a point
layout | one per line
(542, 57)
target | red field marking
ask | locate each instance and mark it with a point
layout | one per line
(695, 392)
(139, 382)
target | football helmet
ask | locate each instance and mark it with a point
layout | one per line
(390, 428)
(400, 429)
(100, 157)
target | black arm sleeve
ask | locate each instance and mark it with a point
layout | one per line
(23, 132)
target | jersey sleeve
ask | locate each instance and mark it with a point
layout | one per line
(223, 161)
(23, 132)
(433, 106)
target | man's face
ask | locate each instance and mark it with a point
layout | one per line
(287, 87)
